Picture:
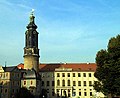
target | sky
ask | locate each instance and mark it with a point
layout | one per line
(70, 31)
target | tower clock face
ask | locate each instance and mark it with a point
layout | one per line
(34, 32)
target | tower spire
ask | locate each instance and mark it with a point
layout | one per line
(32, 18)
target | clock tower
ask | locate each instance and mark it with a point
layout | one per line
(31, 51)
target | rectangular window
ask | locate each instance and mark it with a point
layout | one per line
(18, 83)
(85, 93)
(53, 83)
(24, 82)
(90, 83)
(63, 74)
(84, 82)
(58, 95)
(58, 82)
(6, 74)
(13, 74)
(90, 93)
(13, 90)
(68, 83)
(79, 75)
(48, 83)
(68, 74)
(84, 74)
(31, 82)
(63, 82)
(74, 83)
(42, 83)
(90, 75)
(68, 94)
(5, 90)
(79, 83)
(73, 74)
(58, 74)
(13, 83)
(79, 93)
(53, 93)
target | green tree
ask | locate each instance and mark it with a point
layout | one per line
(24, 93)
(43, 93)
(108, 68)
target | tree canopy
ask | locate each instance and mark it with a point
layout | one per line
(24, 93)
(108, 68)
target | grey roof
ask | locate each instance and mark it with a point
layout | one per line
(29, 74)
(9, 69)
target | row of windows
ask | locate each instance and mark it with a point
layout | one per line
(67, 75)
(74, 75)
(4, 75)
(48, 83)
(6, 90)
(13, 83)
(69, 91)
(74, 83)
(31, 82)
(68, 83)
(25, 83)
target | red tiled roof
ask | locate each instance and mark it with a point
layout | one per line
(20, 66)
(74, 66)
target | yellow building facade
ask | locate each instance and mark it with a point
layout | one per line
(70, 80)
(9, 81)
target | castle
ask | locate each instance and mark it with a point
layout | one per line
(69, 80)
